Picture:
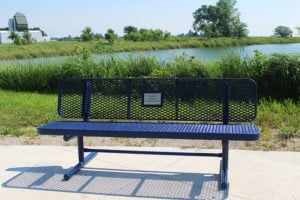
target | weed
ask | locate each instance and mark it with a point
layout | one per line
(287, 132)
(11, 131)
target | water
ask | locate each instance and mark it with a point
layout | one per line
(204, 54)
(207, 54)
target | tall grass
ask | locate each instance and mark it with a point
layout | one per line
(277, 75)
(281, 117)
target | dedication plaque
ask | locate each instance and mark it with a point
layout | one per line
(152, 99)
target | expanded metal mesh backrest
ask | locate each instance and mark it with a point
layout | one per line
(182, 99)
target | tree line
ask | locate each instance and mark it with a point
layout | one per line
(131, 33)
(210, 21)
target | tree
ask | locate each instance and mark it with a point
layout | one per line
(283, 31)
(133, 36)
(131, 33)
(240, 30)
(130, 29)
(110, 36)
(27, 37)
(205, 21)
(167, 35)
(221, 20)
(87, 34)
(98, 36)
(15, 38)
(136, 35)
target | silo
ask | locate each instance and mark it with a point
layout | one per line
(20, 22)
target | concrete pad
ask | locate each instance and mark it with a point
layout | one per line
(36, 172)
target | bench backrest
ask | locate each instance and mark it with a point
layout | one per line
(159, 99)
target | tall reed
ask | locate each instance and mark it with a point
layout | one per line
(277, 75)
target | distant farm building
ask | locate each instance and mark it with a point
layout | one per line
(19, 25)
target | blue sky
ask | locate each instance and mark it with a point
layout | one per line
(61, 18)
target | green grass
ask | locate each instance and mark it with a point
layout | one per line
(279, 124)
(64, 48)
(282, 116)
(22, 112)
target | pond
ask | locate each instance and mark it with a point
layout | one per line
(207, 54)
(204, 54)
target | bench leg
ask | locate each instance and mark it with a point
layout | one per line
(81, 159)
(224, 169)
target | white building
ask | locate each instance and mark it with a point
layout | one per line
(4, 37)
(18, 24)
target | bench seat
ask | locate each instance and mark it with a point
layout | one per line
(152, 130)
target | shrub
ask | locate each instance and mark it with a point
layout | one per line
(233, 66)
(286, 132)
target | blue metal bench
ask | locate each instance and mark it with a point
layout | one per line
(185, 108)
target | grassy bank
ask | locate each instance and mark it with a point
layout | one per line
(277, 75)
(22, 112)
(63, 48)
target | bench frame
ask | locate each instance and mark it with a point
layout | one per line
(83, 160)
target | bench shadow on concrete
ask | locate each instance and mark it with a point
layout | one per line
(115, 182)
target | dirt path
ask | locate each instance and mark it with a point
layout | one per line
(290, 145)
